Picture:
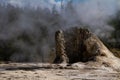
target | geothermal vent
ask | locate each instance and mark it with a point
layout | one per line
(80, 45)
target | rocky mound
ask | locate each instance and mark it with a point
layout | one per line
(80, 45)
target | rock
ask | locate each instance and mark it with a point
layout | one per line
(80, 45)
(61, 56)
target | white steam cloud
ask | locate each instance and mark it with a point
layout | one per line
(96, 13)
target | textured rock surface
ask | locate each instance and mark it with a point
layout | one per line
(80, 45)
(61, 56)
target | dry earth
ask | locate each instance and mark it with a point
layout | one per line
(39, 71)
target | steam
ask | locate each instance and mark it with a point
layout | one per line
(30, 25)
(95, 14)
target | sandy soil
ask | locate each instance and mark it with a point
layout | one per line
(38, 71)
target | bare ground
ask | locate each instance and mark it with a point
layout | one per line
(39, 71)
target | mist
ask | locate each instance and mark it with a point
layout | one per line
(27, 27)
(95, 14)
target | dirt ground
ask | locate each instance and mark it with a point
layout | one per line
(39, 71)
